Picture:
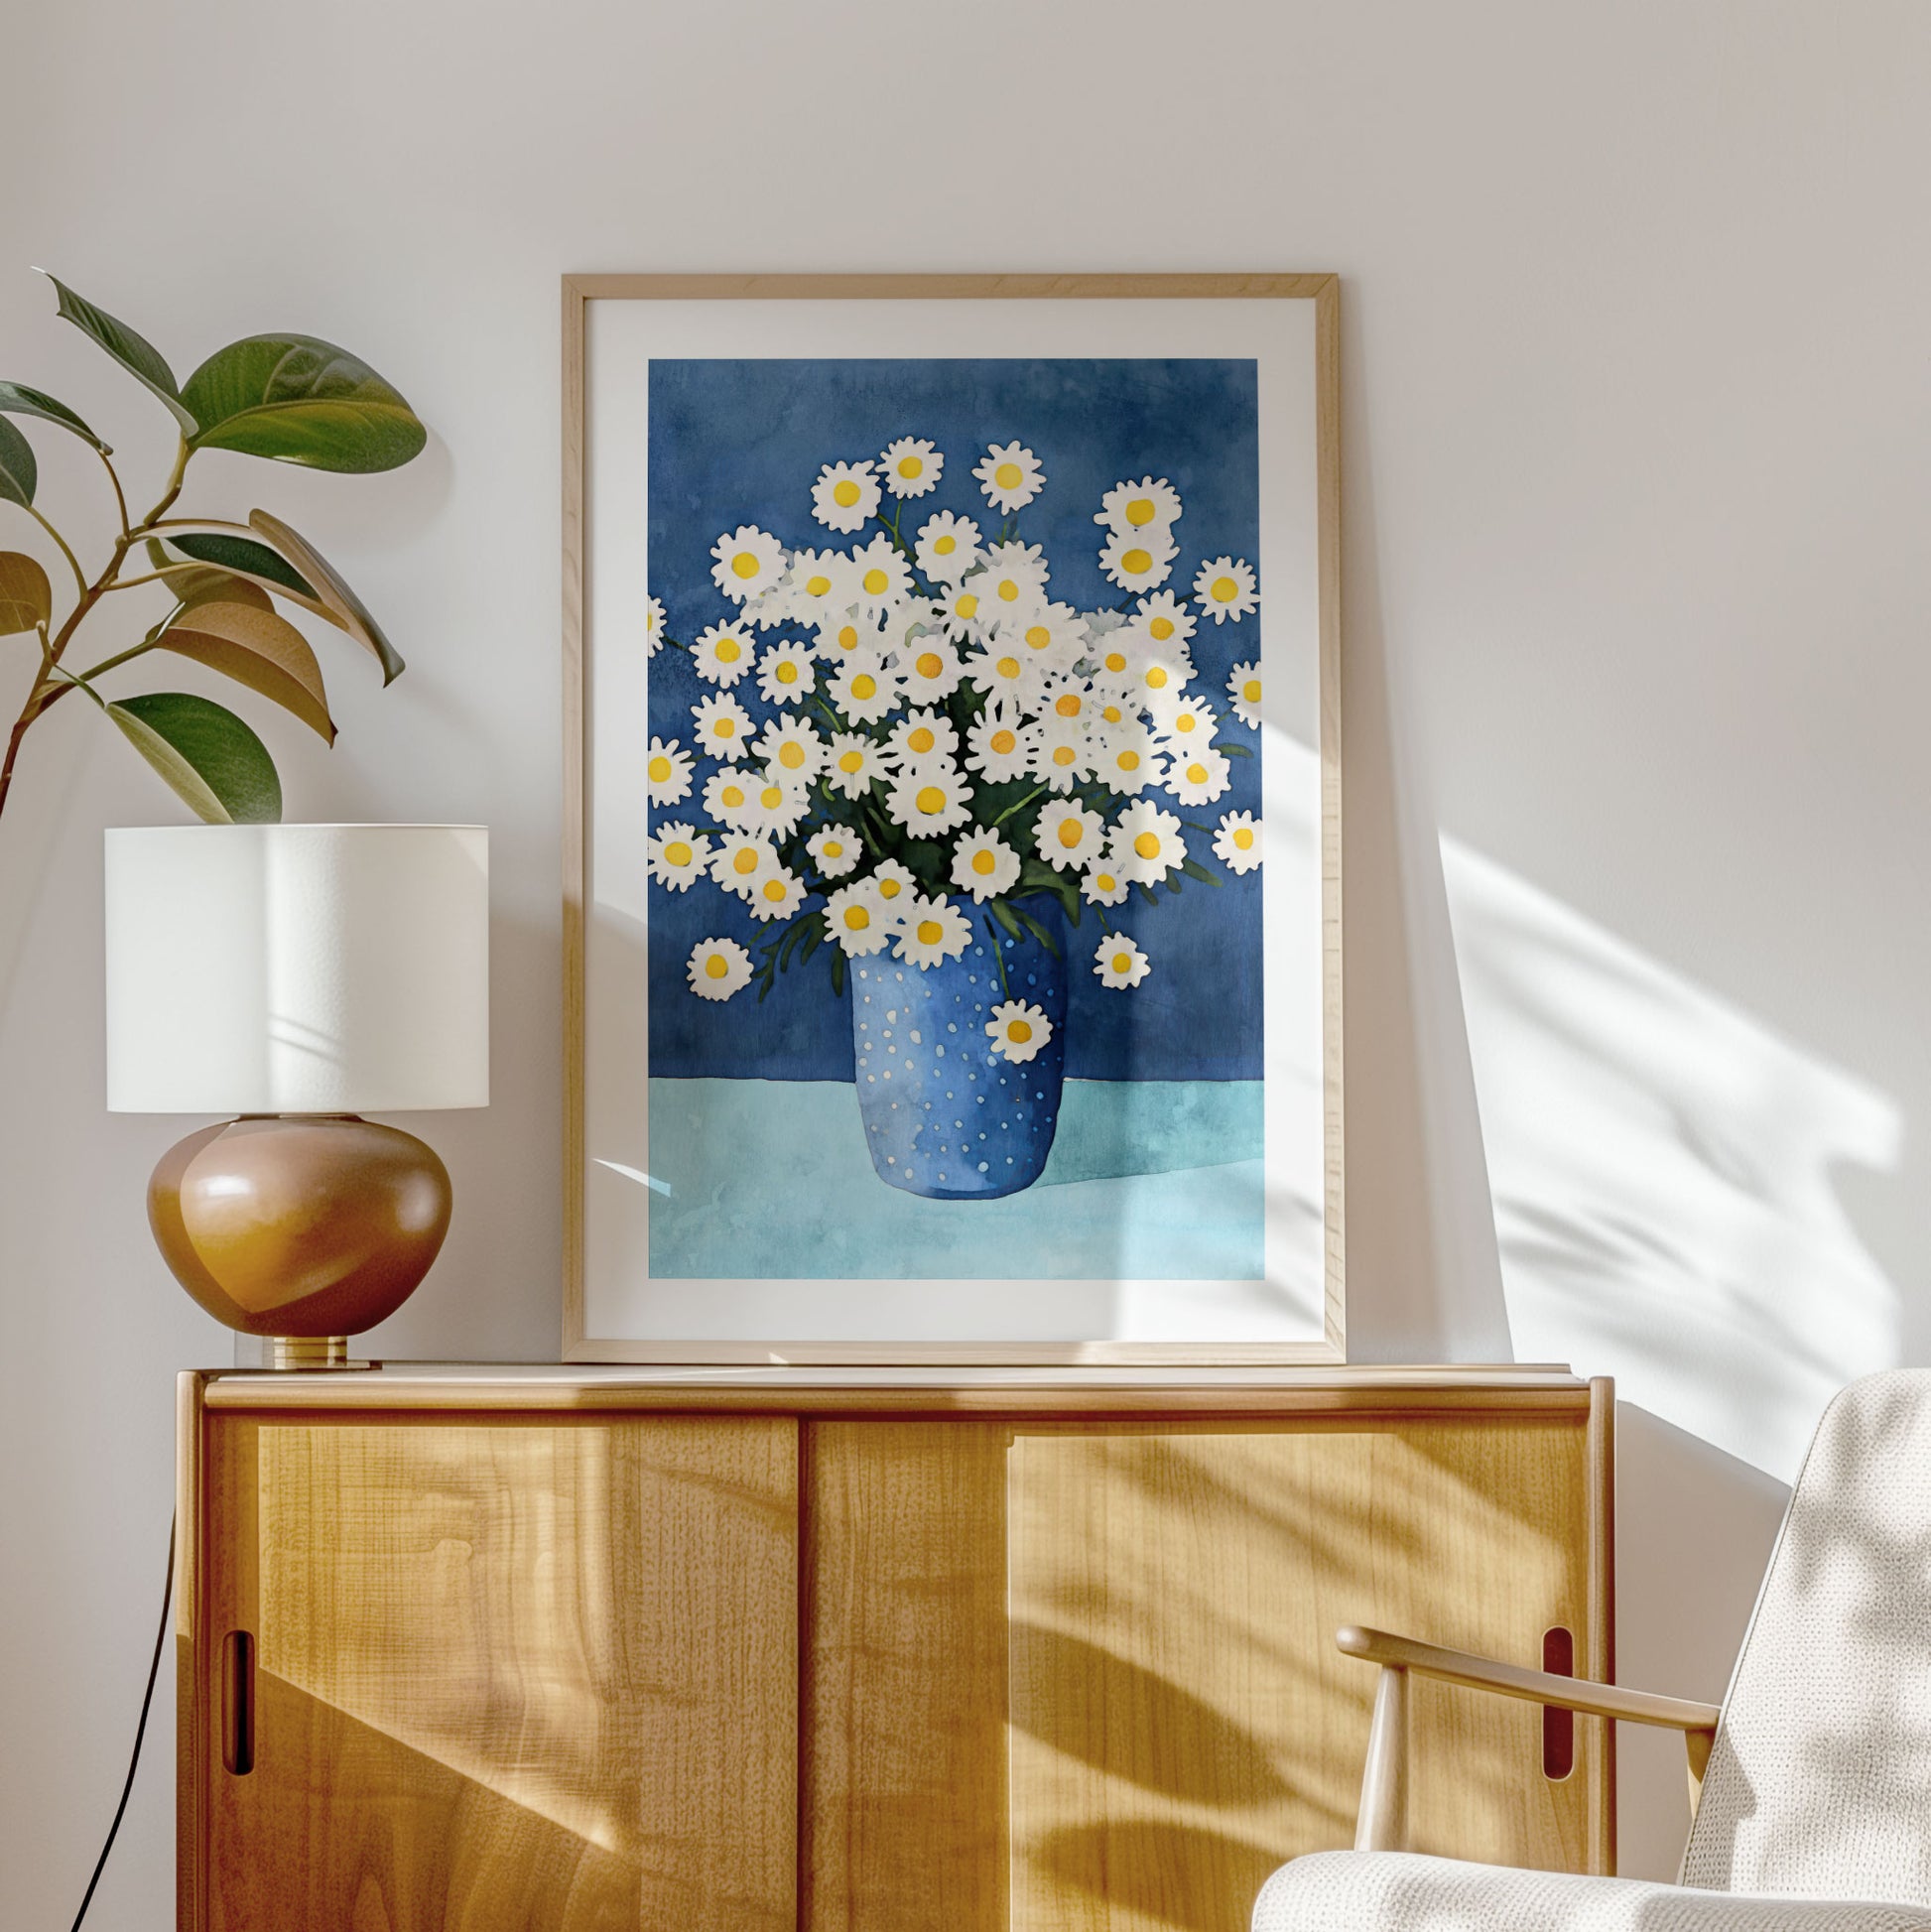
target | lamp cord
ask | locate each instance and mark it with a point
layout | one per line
(140, 1731)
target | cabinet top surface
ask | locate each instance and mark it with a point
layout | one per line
(782, 1387)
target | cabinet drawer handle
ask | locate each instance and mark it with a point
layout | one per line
(1558, 1726)
(239, 1702)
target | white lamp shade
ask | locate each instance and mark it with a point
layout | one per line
(297, 968)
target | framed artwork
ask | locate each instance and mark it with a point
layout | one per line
(952, 898)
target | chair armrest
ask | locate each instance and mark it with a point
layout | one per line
(1537, 1686)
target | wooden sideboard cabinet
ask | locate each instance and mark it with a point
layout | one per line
(573, 1650)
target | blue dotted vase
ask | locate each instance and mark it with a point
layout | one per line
(945, 1114)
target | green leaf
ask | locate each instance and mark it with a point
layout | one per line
(16, 399)
(255, 648)
(1196, 870)
(297, 399)
(1038, 931)
(208, 757)
(246, 559)
(25, 596)
(134, 352)
(1234, 750)
(20, 474)
(1004, 915)
(838, 973)
(338, 602)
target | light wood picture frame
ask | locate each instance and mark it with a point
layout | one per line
(1191, 1137)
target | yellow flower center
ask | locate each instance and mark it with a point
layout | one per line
(833, 848)
(1008, 589)
(1129, 761)
(1039, 636)
(660, 770)
(1137, 563)
(1018, 1032)
(1071, 833)
(1147, 844)
(1122, 963)
(787, 671)
(864, 686)
(1224, 589)
(730, 650)
(745, 863)
(1067, 706)
(1003, 742)
(983, 863)
(921, 738)
(853, 761)
(1105, 881)
(1250, 691)
(732, 796)
(1112, 714)
(944, 546)
(875, 582)
(772, 796)
(1114, 661)
(929, 932)
(774, 890)
(847, 636)
(967, 606)
(745, 564)
(1064, 754)
(1186, 721)
(1243, 837)
(931, 801)
(678, 853)
(725, 728)
(910, 467)
(1141, 511)
(1009, 475)
(1160, 629)
(717, 966)
(817, 586)
(1156, 678)
(791, 754)
(929, 664)
(845, 492)
(888, 888)
(1197, 774)
(857, 918)
(1008, 667)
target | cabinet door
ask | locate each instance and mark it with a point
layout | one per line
(509, 1676)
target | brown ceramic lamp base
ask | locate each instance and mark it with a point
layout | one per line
(305, 1229)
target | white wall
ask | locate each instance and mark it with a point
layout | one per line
(1639, 439)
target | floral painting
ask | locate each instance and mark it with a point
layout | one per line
(955, 831)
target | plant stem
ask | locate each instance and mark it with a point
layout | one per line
(73, 563)
(113, 477)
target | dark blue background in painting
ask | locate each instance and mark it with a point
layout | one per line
(743, 442)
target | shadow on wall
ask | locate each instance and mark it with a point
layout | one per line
(1661, 1169)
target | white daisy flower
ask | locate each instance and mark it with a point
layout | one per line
(675, 855)
(717, 967)
(1116, 709)
(785, 674)
(897, 887)
(1067, 836)
(844, 632)
(884, 576)
(863, 687)
(749, 560)
(819, 586)
(1163, 671)
(1138, 509)
(667, 772)
(1243, 687)
(1117, 656)
(1226, 588)
(1140, 561)
(778, 803)
(1021, 560)
(1146, 844)
(722, 653)
(1061, 753)
(984, 864)
(1018, 1031)
(1008, 598)
(948, 547)
(928, 798)
(925, 734)
(777, 895)
(860, 919)
(1184, 722)
(1067, 701)
(1120, 962)
(1200, 776)
(931, 668)
(1102, 884)
(742, 863)
(792, 747)
(998, 669)
(653, 625)
(911, 466)
(854, 763)
(1053, 635)
(722, 726)
(999, 744)
(730, 797)
(960, 612)
(929, 931)
(844, 496)
(773, 607)
(1163, 619)
(1237, 842)
(1010, 476)
(834, 849)
(1126, 757)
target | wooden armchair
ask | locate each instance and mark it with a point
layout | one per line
(1810, 1787)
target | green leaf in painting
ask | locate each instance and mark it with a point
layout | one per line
(207, 756)
(25, 596)
(341, 602)
(16, 399)
(1003, 913)
(297, 399)
(255, 648)
(1038, 931)
(133, 352)
(20, 474)
(838, 973)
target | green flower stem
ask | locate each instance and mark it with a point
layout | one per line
(1017, 804)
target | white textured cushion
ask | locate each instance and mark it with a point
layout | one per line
(1398, 1891)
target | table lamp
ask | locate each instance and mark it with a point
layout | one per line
(297, 976)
